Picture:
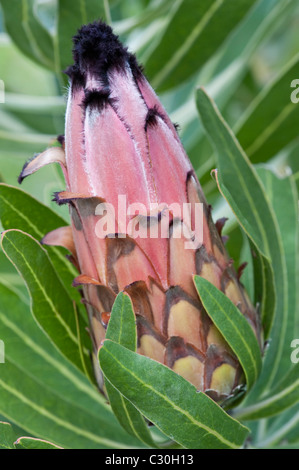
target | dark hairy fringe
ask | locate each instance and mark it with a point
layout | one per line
(61, 140)
(97, 49)
(77, 78)
(59, 201)
(21, 177)
(151, 119)
(95, 99)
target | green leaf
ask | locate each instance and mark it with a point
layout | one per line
(43, 393)
(19, 210)
(194, 33)
(283, 396)
(128, 416)
(233, 326)
(190, 418)
(122, 330)
(248, 273)
(223, 74)
(284, 428)
(34, 443)
(28, 33)
(241, 187)
(264, 288)
(122, 327)
(244, 191)
(51, 304)
(283, 196)
(7, 436)
(269, 123)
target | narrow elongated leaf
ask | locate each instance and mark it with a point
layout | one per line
(235, 177)
(285, 395)
(122, 330)
(33, 443)
(41, 391)
(194, 32)
(7, 436)
(122, 327)
(248, 273)
(28, 32)
(264, 288)
(51, 304)
(166, 398)
(284, 428)
(233, 326)
(243, 189)
(19, 210)
(128, 416)
(283, 196)
(224, 73)
(269, 124)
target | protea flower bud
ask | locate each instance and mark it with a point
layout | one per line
(140, 222)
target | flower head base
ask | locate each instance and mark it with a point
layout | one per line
(120, 143)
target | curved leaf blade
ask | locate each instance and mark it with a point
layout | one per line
(282, 194)
(34, 443)
(285, 395)
(269, 123)
(41, 391)
(233, 326)
(166, 398)
(51, 304)
(28, 32)
(20, 211)
(122, 324)
(194, 33)
(244, 191)
(7, 436)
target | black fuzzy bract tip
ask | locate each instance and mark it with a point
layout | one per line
(21, 176)
(61, 140)
(95, 99)
(76, 76)
(96, 50)
(151, 119)
(56, 198)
